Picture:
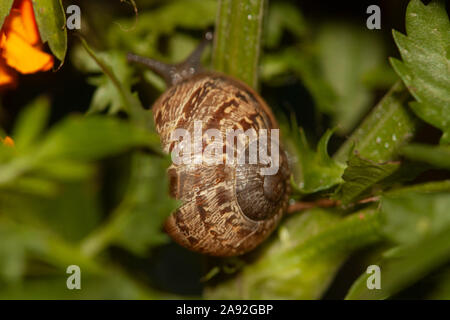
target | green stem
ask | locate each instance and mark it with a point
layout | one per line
(97, 241)
(132, 104)
(384, 131)
(237, 39)
(427, 187)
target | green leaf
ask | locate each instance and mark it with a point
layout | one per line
(40, 243)
(346, 53)
(302, 260)
(413, 216)
(313, 170)
(154, 25)
(12, 255)
(146, 206)
(110, 285)
(361, 176)
(388, 127)
(381, 77)
(94, 137)
(304, 64)
(441, 289)
(48, 279)
(51, 21)
(137, 223)
(64, 153)
(420, 223)
(5, 8)
(403, 267)
(238, 39)
(54, 288)
(32, 120)
(111, 94)
(106, 96)
(71, 211)
(427, 187)
(119, 89)
(283, 16)
(425, 69)
(438, 156)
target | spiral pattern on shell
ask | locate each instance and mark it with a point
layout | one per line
(227, 209)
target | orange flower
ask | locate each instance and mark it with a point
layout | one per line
(8, 141)
(20, 45)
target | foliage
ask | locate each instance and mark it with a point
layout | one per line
(87, 184)
(51, 20)
(314, 170)
(425, 53)
(303, 260)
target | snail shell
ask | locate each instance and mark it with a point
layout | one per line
(227, 209)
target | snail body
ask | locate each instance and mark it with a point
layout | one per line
(227, 208)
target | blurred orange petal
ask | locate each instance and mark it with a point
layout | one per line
(8, 77)
(23, 27)
(29, 22)
(20, 45)
(23, 57)
(8, 141)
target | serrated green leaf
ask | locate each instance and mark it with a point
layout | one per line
(106, 96)
(313, 170)
(120, 89)
(425, 62)
(111, 94)
(438, 156)
(361, 176)
(51, 21)
(5, 8)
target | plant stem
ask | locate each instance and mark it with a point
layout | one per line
(324, 203)
(385, 130)
(237, 39)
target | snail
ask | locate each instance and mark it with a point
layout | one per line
(227, 208)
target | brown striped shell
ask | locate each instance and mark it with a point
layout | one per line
(227, 209)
